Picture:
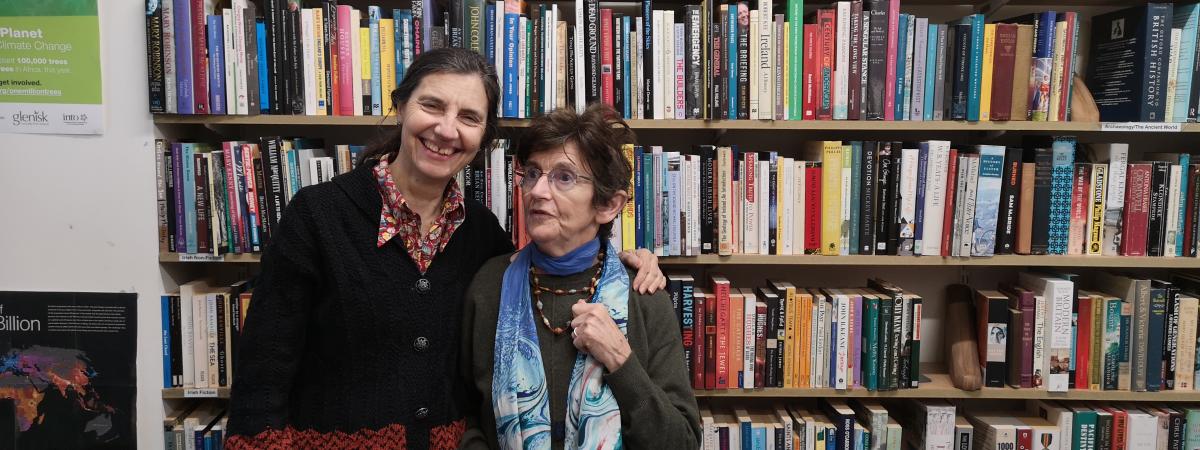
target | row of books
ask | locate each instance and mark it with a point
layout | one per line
(937, 424)
(780, 335)
(200, 426)
(858, 60)
(1121, 333)
(833, 198)
(228, 198)
(913, 198)
(200, 326)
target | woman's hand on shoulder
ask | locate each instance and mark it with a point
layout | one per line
(649, 278)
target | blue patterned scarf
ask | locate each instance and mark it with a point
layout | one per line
(520, 399)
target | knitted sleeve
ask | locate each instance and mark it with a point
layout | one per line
(273, 341)
(652, 388)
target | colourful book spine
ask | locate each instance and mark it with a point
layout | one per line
(989, 54)
(831, 198)
(795, 51)
(870, 342)
(387, 65)
(375, 30)
(987, 200)
(975, 85)
(216, 63)
(628, 212)
(897, 81)
(1061, 178)
(1042, 67)
(893, 23)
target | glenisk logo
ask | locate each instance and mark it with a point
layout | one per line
(36, 117)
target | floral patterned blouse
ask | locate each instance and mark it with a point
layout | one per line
(397, 219)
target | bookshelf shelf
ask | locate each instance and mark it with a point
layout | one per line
(851, 260)
(685, 124)
(939, 386)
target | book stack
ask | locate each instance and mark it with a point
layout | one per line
(780, 335)
(856, 60)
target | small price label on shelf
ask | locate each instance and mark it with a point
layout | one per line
(200, 393)
(1143, 127)
(201, 257)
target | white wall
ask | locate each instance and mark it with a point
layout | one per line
(78, 213)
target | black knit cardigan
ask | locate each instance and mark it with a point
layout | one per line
(347, 344)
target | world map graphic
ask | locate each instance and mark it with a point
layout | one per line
(53, 392)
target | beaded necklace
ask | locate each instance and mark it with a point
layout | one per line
(537, 289)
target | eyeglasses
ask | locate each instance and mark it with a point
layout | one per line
(562, 180)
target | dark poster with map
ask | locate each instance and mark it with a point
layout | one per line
(67, 370)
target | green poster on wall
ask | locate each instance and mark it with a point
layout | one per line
(50, 67)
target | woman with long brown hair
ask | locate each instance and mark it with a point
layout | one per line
(352, 336)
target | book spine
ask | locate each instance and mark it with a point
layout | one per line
(1114, 203)
(1170, 352)
(155, 78)
(199, 22)
(877, 59)
(949, 229)
(866, 237)
(742, 59)
(1095, 206)
(695, 62)
(722, 338)
(883, 216)
(991, 168)
(1156, 335)
(1002, 83)
(1060, 196)
(1080, 196)
(1156, 223)
(1010, 189)
(855, 59)
(893, 23)
(1157, 53)
(962, 73)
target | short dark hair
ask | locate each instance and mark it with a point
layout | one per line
(598, 134)
(442, 60)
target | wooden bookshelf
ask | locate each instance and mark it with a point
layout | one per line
(850, 260)
(939, 386)
(685, 124)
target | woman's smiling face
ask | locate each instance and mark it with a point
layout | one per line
(443, 123)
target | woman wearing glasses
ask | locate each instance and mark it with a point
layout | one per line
(353, 335)
(569, 356)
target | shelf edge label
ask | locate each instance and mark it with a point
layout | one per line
(200, 393)
(1142, 127)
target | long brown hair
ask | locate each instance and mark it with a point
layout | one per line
(443, 60)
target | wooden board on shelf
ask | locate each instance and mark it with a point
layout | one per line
(939, 386)
(851, 260)
(688, 124)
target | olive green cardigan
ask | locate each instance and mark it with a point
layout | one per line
(652, 388)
